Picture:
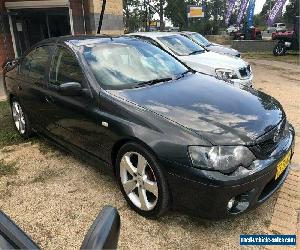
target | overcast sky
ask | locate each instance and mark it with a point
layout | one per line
(260, 3)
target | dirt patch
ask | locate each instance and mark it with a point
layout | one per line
(55, 198)
(283, 84)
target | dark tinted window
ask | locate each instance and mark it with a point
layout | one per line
(36, 62)
(65, 68)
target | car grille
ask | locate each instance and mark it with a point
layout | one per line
(245, 72)
(268, 142)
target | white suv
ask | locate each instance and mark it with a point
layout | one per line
(230, 69)
(277, 27)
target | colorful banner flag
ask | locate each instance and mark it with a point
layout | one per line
(229, 11)
(250, 15)
(242, 12)
(276, 11)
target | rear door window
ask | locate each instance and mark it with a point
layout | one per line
(35, 64)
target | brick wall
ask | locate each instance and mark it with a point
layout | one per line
(6, 47)
(113, 17)
(91, 9)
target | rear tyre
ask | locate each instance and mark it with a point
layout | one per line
(279, 50)
(20, 119)
(142, 181)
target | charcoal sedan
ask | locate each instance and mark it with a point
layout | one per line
(174, 138)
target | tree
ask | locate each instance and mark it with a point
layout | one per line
(266, 9)
(292, 10)
(176, 12)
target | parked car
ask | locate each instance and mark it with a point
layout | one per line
(248, 33)
(103, 234)
(232, 29)
(214, 47)
(277, 27)
(288, 40)
(174, 138)
(233, 70)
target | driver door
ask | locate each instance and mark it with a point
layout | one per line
(71, 118)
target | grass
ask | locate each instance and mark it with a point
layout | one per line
(8, 134)
(290, 57)
(7, 169)
(45, 175)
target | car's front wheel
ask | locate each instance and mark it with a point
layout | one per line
(20, 119)
(142, 181)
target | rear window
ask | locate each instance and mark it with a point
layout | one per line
(281, 25)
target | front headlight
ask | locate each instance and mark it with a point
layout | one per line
(226, 74)
(225, 159)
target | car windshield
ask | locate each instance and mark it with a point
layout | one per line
(200, 39)
(128, 65)
(181, 45)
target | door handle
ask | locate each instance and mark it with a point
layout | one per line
(19, 87)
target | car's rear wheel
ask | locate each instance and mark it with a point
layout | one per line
(142, 181)
(20, 119)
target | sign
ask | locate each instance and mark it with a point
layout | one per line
(276, 11)
(250, 15)
(229, 11)
(195, 12)
(242, 12)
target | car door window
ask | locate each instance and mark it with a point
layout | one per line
(65, 68)
(36, 62)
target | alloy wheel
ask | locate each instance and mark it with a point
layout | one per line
(139, 181)
(19, 117)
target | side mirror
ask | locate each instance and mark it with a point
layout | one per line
(12, 237)
(70, 88)
(104, 232)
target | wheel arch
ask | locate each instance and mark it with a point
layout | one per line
(120, 143)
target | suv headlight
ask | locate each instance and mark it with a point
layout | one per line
(225, 159)
(226, 74)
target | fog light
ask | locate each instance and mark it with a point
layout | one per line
(230, 203)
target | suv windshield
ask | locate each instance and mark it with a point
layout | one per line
(131, 64)
(181, 45)
(200, 39)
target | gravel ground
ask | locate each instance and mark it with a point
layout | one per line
(55, 197)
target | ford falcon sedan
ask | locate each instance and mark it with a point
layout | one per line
(174, 139)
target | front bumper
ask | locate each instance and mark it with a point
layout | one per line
(206, 193)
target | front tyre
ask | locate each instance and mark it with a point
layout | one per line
(20, 119)
(141, 181)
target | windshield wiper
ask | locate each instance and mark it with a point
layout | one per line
(155, 81)
(196, 52)
(183, 74)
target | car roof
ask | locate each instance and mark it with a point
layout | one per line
(187, 32)
(80, 40)
(154, 34)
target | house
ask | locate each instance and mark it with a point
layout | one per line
(24, 23)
